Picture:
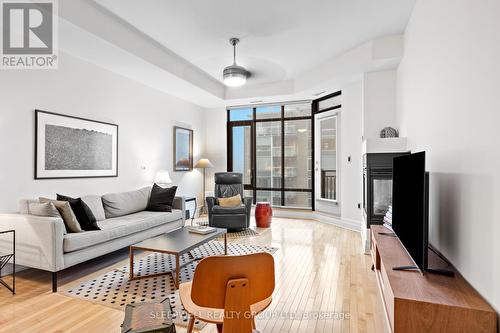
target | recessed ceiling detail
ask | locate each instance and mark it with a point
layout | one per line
(289, 47)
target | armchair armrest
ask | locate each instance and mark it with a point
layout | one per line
(39, 241)
(247, 201)
(211, 202)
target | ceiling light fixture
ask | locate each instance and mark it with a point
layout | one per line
(234, 75)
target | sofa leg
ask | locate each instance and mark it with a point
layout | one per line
(54, 282)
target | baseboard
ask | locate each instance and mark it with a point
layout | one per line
(320, 217)
(340, 222)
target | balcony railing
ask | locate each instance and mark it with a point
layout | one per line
(329, 184)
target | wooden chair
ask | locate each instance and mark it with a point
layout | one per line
(229, 291)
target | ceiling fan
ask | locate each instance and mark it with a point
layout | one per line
(234, 75)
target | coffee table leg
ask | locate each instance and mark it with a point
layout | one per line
(177, 271)
(131, 269)
(225, 244)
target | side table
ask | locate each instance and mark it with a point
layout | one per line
(188, 199)
(5, 258)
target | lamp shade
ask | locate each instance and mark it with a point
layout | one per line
(204, 163)
(163, 177)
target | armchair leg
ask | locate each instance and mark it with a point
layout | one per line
(190, 324)
(54, 282)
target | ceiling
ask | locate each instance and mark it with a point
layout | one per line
(280, 39)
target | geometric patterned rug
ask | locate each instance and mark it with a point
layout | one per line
(113, 289)
(249, 232)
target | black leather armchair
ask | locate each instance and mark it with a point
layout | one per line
(228, 184)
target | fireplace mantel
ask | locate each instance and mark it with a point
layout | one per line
(384, 145)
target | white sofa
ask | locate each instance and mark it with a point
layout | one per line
(42, 242)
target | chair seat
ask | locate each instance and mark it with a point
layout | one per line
(242, 209)
(211, 315)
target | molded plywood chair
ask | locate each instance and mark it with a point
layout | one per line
(229, 291)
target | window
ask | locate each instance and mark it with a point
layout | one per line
(268, 112)
(268, 154)
(241, 152)
(241, 114)
(272, 146)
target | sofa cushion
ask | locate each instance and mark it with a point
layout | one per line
(119, 227)
(124, 203)
(242, 209)
(95, 204)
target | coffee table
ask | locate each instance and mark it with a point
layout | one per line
(177, 243)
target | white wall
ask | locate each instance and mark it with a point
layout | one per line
(351, 176)
(449, 106)
(145, 117)
(216, 143)
(379, 102)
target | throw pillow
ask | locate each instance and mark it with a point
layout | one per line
(23, 205)
(46, 209)
(161, 199)
(83, 214)
(233, 201)
(69, 218)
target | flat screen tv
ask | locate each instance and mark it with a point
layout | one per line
(410, 206)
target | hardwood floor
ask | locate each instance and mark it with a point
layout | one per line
(323, 284)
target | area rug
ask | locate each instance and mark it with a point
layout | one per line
(114, 289)
(247, 233)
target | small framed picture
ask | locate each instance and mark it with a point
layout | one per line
(183, 149)
(73, 147)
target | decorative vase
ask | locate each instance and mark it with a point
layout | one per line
(263, 214)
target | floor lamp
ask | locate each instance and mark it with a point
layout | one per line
(204, 164)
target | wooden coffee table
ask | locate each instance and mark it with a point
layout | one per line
(177, 243)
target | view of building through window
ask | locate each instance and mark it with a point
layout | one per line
(281, 169)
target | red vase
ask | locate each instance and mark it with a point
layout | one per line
(263, 214)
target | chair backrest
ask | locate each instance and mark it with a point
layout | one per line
(228, 184)
(213, 274)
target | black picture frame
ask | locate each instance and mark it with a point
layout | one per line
(40, 172)
(183, 163)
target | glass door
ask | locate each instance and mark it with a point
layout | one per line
(326, 166)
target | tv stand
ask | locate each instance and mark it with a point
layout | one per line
(415, 302)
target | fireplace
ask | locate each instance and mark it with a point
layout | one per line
(377, 186)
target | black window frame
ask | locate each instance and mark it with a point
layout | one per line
(252, 123)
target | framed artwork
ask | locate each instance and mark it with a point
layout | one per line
(183, 149)
(72, 147)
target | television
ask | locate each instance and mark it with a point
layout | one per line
(410, 201)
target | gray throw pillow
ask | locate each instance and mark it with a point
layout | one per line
(43, 209)
(67, 214)
(23, 205)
